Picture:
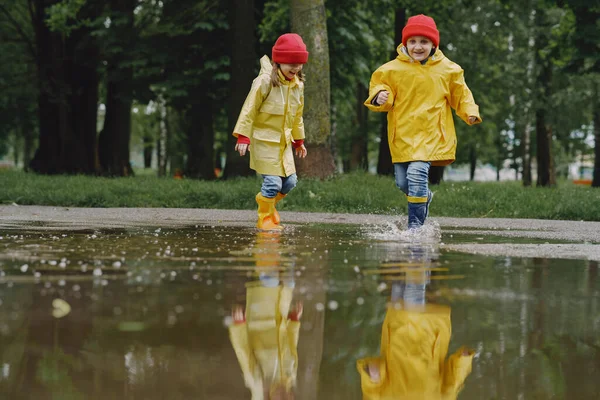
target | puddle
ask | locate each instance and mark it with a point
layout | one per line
(147, 314)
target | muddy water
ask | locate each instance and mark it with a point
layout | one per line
(147, 314)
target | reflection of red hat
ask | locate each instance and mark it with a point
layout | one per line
(421, 25)
(289, 49)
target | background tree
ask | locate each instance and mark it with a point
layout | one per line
(308, 19)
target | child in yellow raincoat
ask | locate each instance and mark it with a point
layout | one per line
(414, 343)
(265, 337)
(270, 124)
(418, 89)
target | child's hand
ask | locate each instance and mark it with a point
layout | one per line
(241, 148)
(239, 317)
(296, 313)
(382, 97)
(373, 370)
(301, 151)
(472, 119)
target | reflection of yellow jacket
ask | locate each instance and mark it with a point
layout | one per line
(266, 345)
(412, 364)
(271, 117)
(420, 123)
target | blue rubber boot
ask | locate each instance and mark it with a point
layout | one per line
(417, 213)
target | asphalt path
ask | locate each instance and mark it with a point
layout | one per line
(520, 237)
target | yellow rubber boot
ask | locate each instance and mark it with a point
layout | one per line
(276, 217)
(266, 207)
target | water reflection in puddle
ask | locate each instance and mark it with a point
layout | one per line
(151, 314)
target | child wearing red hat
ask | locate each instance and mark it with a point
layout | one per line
(418, 90)
(270, 124)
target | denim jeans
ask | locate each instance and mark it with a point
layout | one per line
(412, 178)
(273, 184)
(410, 293)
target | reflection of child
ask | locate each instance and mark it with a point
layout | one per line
(271, 121)
(418, 90)
(414, 343)
(265, 337)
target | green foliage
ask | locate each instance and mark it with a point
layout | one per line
(62, 16)
(352, 193)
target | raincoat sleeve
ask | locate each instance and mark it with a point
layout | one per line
(379, 82)
(258, 93)
(238, 334)
(371, 390)
(298, 127)
(461, 98)
(456, 370)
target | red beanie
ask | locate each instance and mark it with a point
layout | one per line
(421, 25)
(289, 49)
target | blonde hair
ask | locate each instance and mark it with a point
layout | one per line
(275, 75)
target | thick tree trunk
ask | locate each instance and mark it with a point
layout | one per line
(114, 139)
(309, 20)
(200, 157)
(115, 136)
(359, 154)
(68, 97)
(243, 55)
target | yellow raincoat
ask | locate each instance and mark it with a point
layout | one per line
(271, 117)
(412, 364)
(266, 345)
(420, 124)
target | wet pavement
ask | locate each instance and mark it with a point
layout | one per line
(137, 304)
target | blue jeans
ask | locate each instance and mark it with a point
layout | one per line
(273, 184)
(412, 178)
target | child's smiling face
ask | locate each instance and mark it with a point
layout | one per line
(419, 47)
(290, 70)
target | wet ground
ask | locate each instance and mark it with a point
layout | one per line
(143, 310)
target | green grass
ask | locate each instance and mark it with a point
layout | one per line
(351, 193)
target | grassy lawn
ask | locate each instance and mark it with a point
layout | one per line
(352, 193)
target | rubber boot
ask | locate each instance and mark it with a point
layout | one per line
(429, 198)
(266, 207)
(276, 217)
(417, 213)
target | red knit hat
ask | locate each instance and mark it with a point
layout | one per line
(289, 49)
(421, 25)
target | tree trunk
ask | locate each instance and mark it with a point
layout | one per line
(148, 149)
(309, 20)
(596, 118)
(384, 162)
(472, 162)
(200, 157)
(114, 139)
(359, 154)
(527, 181)
(545, 163)
(163, 138)
(68, 96)
(436, 174)
(243, 54)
